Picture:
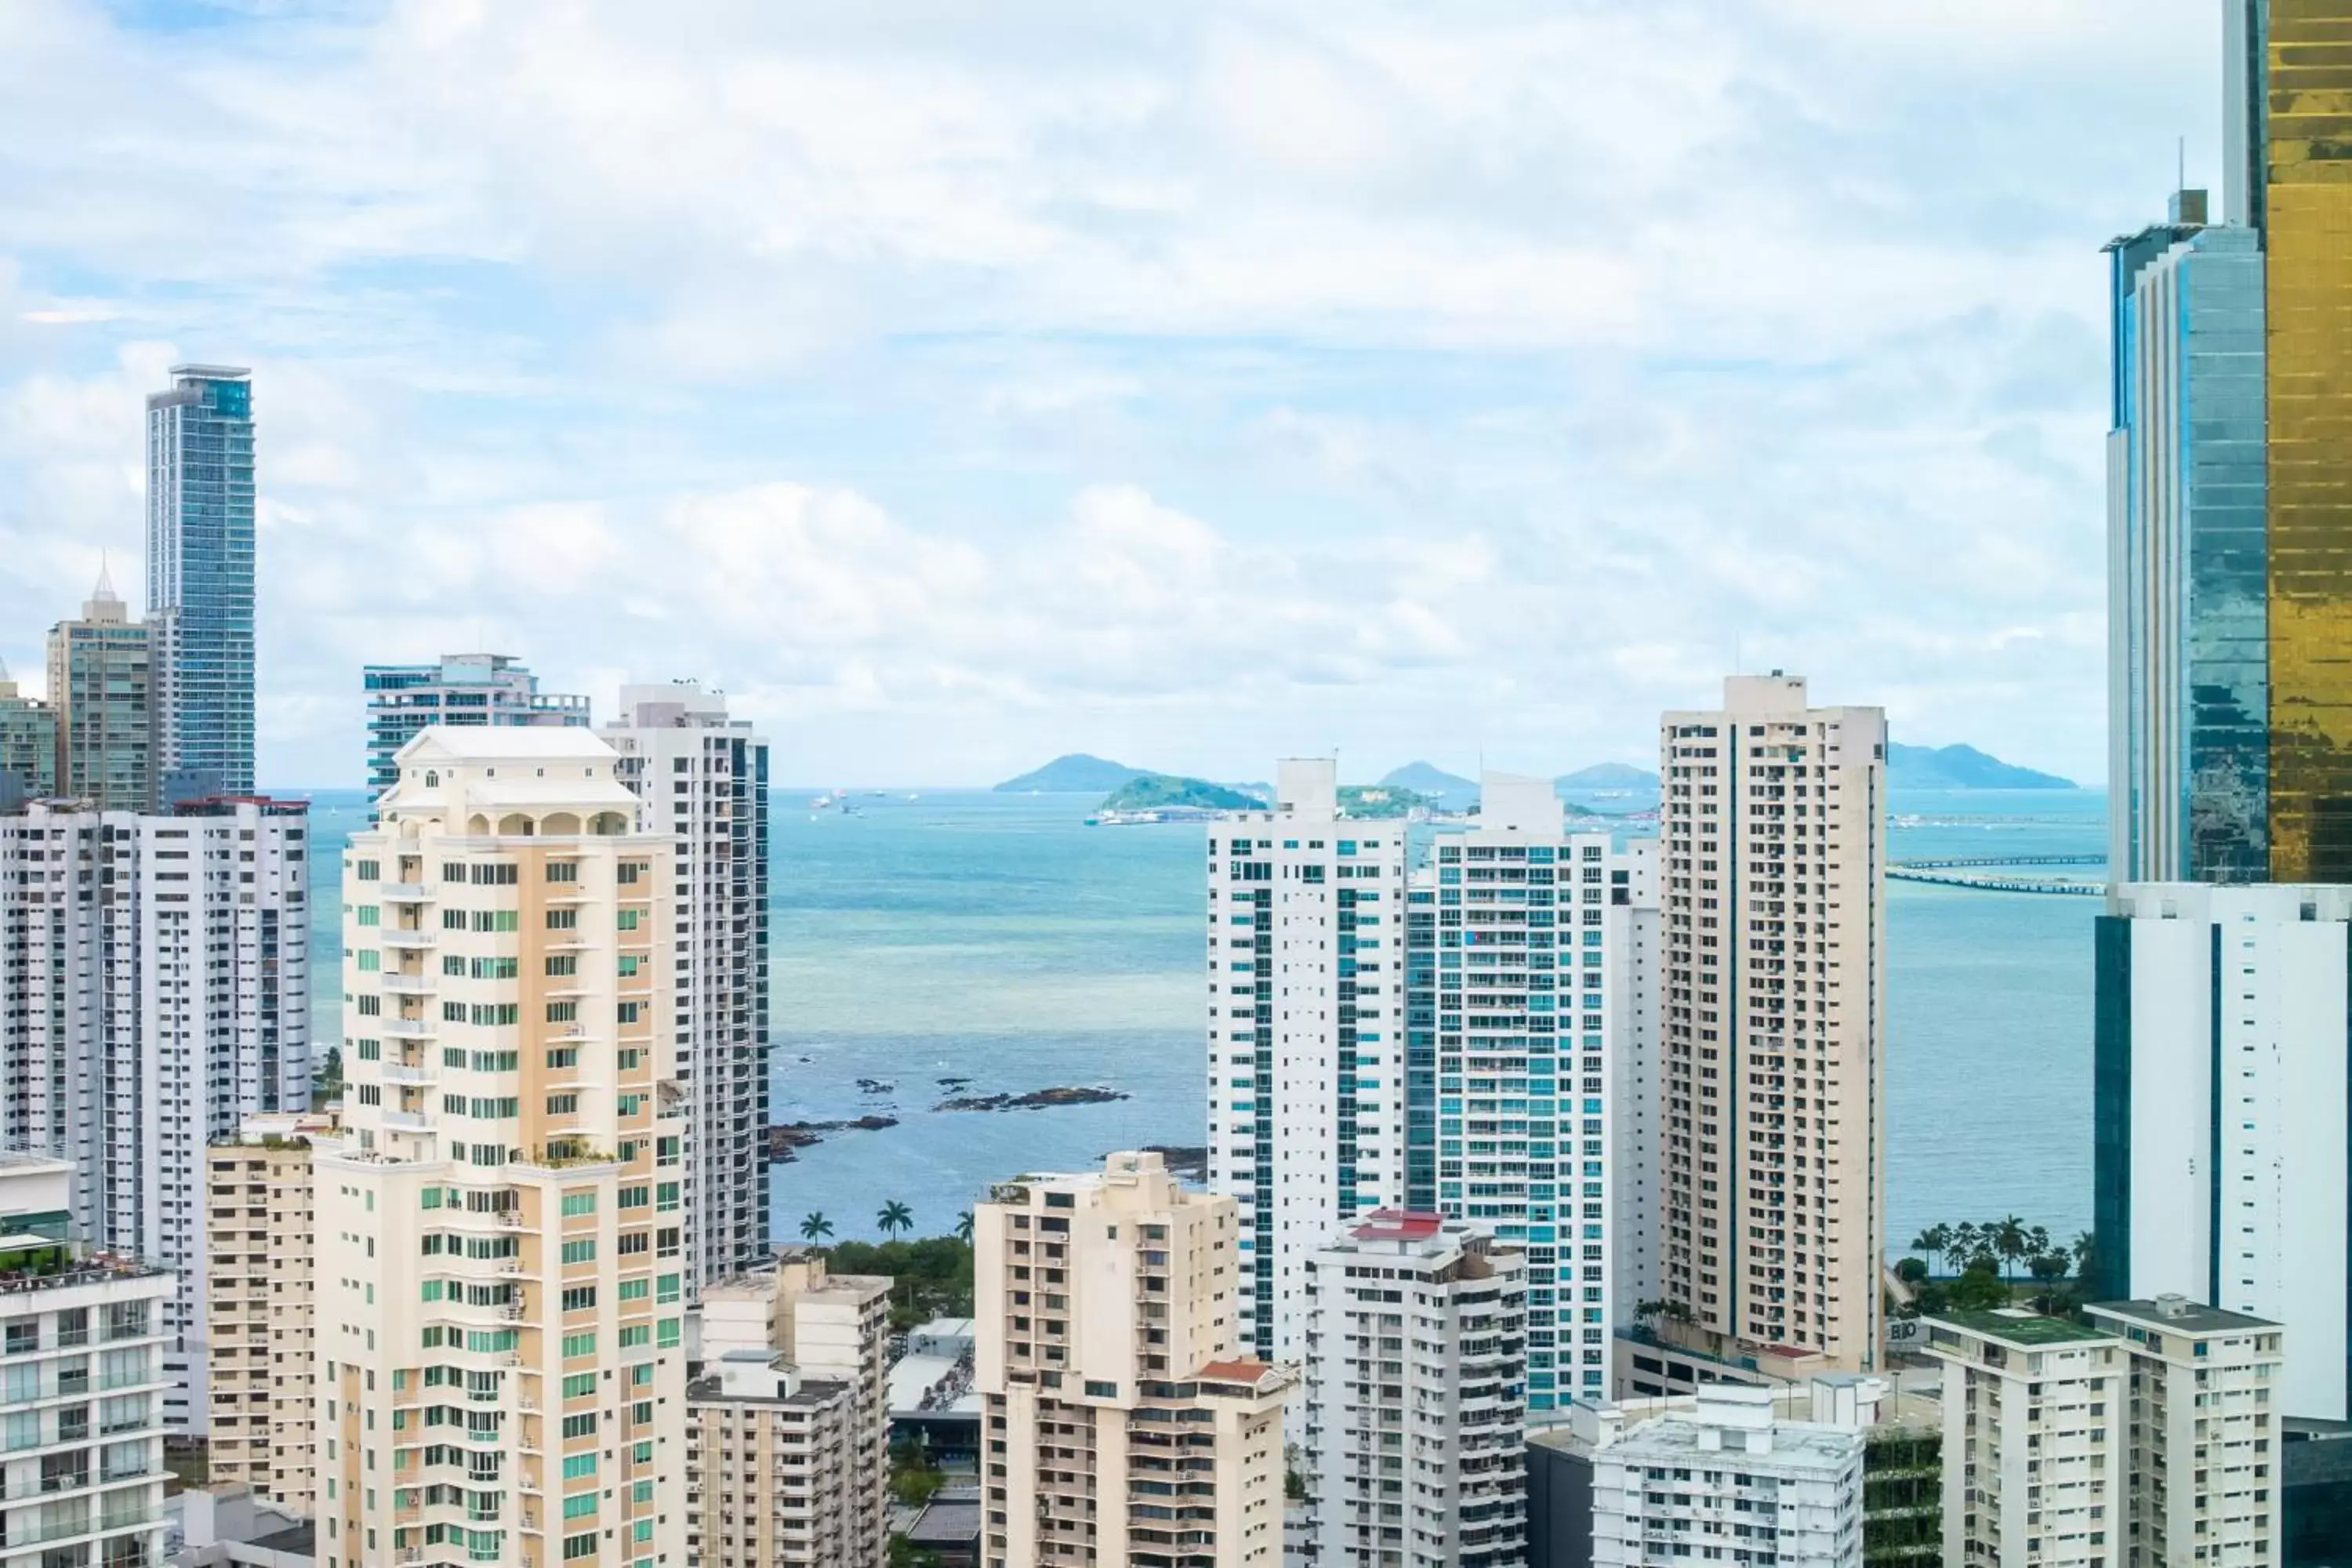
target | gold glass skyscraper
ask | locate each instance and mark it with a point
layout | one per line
(2297, 129)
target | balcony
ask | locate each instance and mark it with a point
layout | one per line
(408, 985)
(418, 1075)
(396, 936)
(407, 1121)
(403, 892)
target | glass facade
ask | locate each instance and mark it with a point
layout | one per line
(200, 574)
(2189, 611)
(466, 688)
(2307, 212)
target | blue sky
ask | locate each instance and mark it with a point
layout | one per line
(957, 383)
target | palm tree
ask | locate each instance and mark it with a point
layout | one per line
(2085, 1248)
(2008, 1243)
(815, 1227)
(1934, 1241)
(963, 1228)
(1967, 1242)
(894, 1218)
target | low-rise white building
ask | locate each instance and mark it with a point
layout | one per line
(1416, 1397)
(1727, 1482)
(774, 1469)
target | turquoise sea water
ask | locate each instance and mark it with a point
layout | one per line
(998, 939)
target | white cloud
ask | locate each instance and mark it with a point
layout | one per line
(959, 378)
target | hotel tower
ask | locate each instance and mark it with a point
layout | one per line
(500, 1233)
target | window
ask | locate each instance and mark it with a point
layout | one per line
(581, 1251)
(634, 1335)
(629, 1012)
(369, 914)
(563, 964)
(563, 919)
(635, 1289)
(667, 1288)
(669, 1333)
(578, 1204)
(579, 1467)
(628, 920)
(367, 870)
(629, 871)
(563, 1057)
(562, 1104)
(574, 1347)
(497, 920)
(629, 963)
(669, 1194)
(563, 1012)
(563, 870)
(582, 1505)
(1101, 1389)
(580, 1299)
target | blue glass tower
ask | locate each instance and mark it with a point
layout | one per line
(200, 558)
(2188, 614)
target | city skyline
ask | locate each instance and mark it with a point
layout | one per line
(957, 439)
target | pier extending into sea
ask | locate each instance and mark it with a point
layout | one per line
(1968, 873)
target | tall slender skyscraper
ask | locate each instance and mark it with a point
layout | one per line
(500, 1259)
(200, 559)
(2189, 661)
(2287, 92)
(1773, 833)
(463, 690)
(1306, 1064)
(1531, 1035)
(703, 777)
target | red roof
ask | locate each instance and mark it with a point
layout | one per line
(1235, 1371)
(1398, 1225)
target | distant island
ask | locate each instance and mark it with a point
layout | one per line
(1156, 792)
(1077, 774)
(1425, 784)
(1607, 775)
(1961, 767)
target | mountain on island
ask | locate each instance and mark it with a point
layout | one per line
(1961, 767)
(1451, 792)
(1607, 775)
(1077, 774)
(1153, 792)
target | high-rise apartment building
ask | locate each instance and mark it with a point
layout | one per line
(102, 690)
(2034, 1448)
(831, 1330)
(502, 1238)
(1416, 1397)
(2189, 661)
(1532, 971)
(1124, 1423)
(200, 563)
(2203, 1441)
(1306, 1049)
(81, 1483)
(260, 1227)
(2220, 1086)
(170, 953)
(1727, 1481)
(1772, 830)
(29, 743)
(461, 689)
(773, 1478)
(704, 778)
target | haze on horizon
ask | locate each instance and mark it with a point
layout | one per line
(1257, 378)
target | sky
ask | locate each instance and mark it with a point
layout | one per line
(958, 383)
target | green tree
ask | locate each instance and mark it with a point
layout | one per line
(2086, 1254)
(963, 1228)
(815, 1227)
(894, 1218)
(1934, 1241)
(1911, 1271)
(1966, 1244)
(2007, 1242)
(1978, 1289)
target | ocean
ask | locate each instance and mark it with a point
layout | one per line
(965, 935)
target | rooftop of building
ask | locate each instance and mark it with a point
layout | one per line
(2179, 1315)
(1794, 1445)
(946, 1524)
(522, 742)
(2027, 1330)
(1241, 1370)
